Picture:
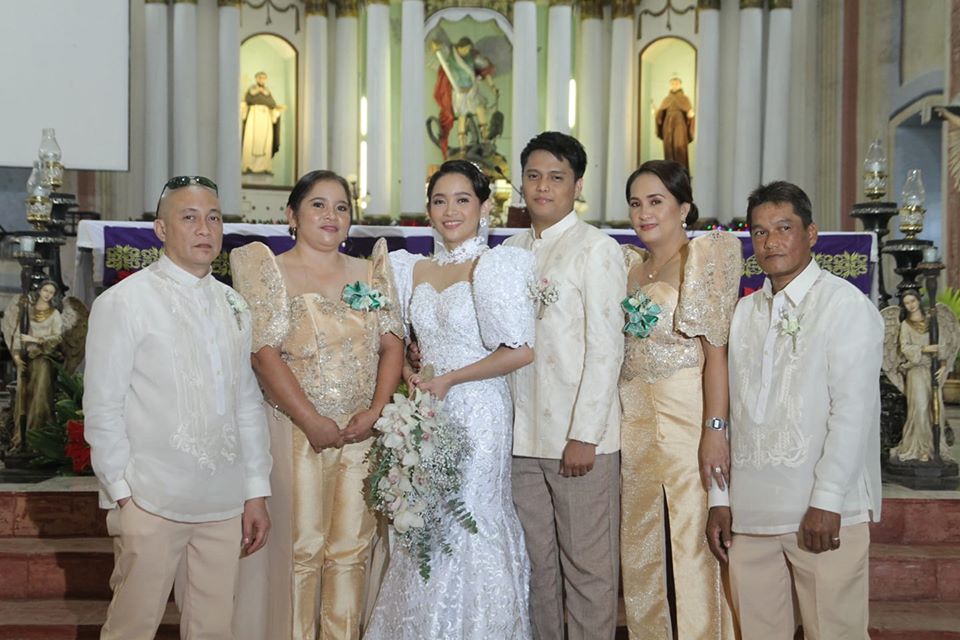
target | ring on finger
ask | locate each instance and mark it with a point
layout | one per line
(717, 470)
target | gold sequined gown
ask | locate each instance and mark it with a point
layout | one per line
(661, 391)
(321, 531)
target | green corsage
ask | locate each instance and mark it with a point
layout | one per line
(642, 314)
(362, 297)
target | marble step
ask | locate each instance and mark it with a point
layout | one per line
(55, 568)
(926, 520)
(50, 514)
(914, 621)
(39, 619)
(915, 573)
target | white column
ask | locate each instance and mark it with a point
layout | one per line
(346, 106)
(777, 105)
(378, 107)
(559, 64)
(228, 108)
(412, 115)
(747, 143)
(156, 157)
(526, 101)
(316, 116)
(590, 103)
(186, 127)
(620, 160)
(706, 176)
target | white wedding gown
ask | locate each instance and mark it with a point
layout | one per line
(480, 590)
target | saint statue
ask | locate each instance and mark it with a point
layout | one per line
(907, 363)
(675, 124)
(457, 90)
(260, 114)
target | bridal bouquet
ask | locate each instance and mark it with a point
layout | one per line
(415, 474)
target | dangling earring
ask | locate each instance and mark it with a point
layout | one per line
(683, 223)
(293, 231)
(483, 223)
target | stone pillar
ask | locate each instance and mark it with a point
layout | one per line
(412, 112)
(559, 64)
(747, 145)
(590, 102)
(156, 157)
(776, 117)
(706, 171)
(316, 112)
(526, 122)
(228, 107)
(620, 142)
(346, 107)
(379, 94)
(186, 125)
(951, 233)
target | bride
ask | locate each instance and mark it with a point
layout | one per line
(471, 314)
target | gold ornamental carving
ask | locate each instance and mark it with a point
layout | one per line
(228, 3)
(315, 7)
(591, 9)
(156, 1)
(622, 8)
(781, 4)
(563, 3)
(751, 4)
(704, 5)
(184, 1)
(503, 7)
(670, 10)
(378, 2)
(348, 8)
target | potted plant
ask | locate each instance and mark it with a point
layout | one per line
(950, 297)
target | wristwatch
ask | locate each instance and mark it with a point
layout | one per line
(717, 424)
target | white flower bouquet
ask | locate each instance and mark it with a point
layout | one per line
(415, 474)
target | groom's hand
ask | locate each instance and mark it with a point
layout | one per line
(578, 458)
(256, 524)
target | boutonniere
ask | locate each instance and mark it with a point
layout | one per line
(642, 314)
(789, 325)
(544, 293)
(362, 297)
(238, 305)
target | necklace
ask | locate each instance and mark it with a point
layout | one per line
(468, 250)
(653, 274)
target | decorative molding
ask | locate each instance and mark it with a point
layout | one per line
(623, 8)
(503, 7)
(751, 4)
(781, 4)
(184, 1)
(315, 7)
(347, 8)
(565, 3)
(668, 9)
(228, 3)
(704, 5)
(156, 1)
(253, 4)
(378, 2)
(590, 8)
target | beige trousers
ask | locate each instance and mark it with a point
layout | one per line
(571, 526)
(148, 550)
(832, 588)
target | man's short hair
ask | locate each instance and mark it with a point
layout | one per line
(562, 146)
(781, 192)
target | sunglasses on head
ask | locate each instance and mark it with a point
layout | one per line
(179, 182)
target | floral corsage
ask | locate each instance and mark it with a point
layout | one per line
(789, 325)
(642, 314)
(416, 465)
(544, 293)
(362, 297)
(238, 306)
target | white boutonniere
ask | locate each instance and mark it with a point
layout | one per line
(544, 293)
(238, 306)
(789, 325)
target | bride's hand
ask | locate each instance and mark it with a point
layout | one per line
(438, 386)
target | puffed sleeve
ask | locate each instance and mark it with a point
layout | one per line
(257, 278)
(388, 317)
(505, 311)
(711, 284)
(632, 256)
(402, 262)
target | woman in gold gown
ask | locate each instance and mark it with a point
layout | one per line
(680, 297)
(328, 354)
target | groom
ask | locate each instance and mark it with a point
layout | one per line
(566, 436)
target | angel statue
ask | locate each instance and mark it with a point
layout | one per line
(907, 362)
(35, 329)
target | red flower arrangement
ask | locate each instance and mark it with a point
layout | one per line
(77, 448)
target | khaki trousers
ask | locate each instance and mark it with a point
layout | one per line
(832, 588)
(148, 550)
(571, 524)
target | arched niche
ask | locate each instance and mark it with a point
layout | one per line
(660, 61)
(276, 57)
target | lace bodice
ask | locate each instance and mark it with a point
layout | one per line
(703, 307)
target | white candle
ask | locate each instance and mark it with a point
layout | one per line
(930, 254)
(27, 244)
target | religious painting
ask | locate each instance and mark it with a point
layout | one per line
(469, 88)
(668, 82)
(268, 112)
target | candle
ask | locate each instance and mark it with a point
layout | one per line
(930, 254)
(27, 244)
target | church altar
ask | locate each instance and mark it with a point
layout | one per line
(108, 251)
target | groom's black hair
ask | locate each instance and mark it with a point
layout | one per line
(562, 147)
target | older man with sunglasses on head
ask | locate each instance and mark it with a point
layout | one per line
(177, 432)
